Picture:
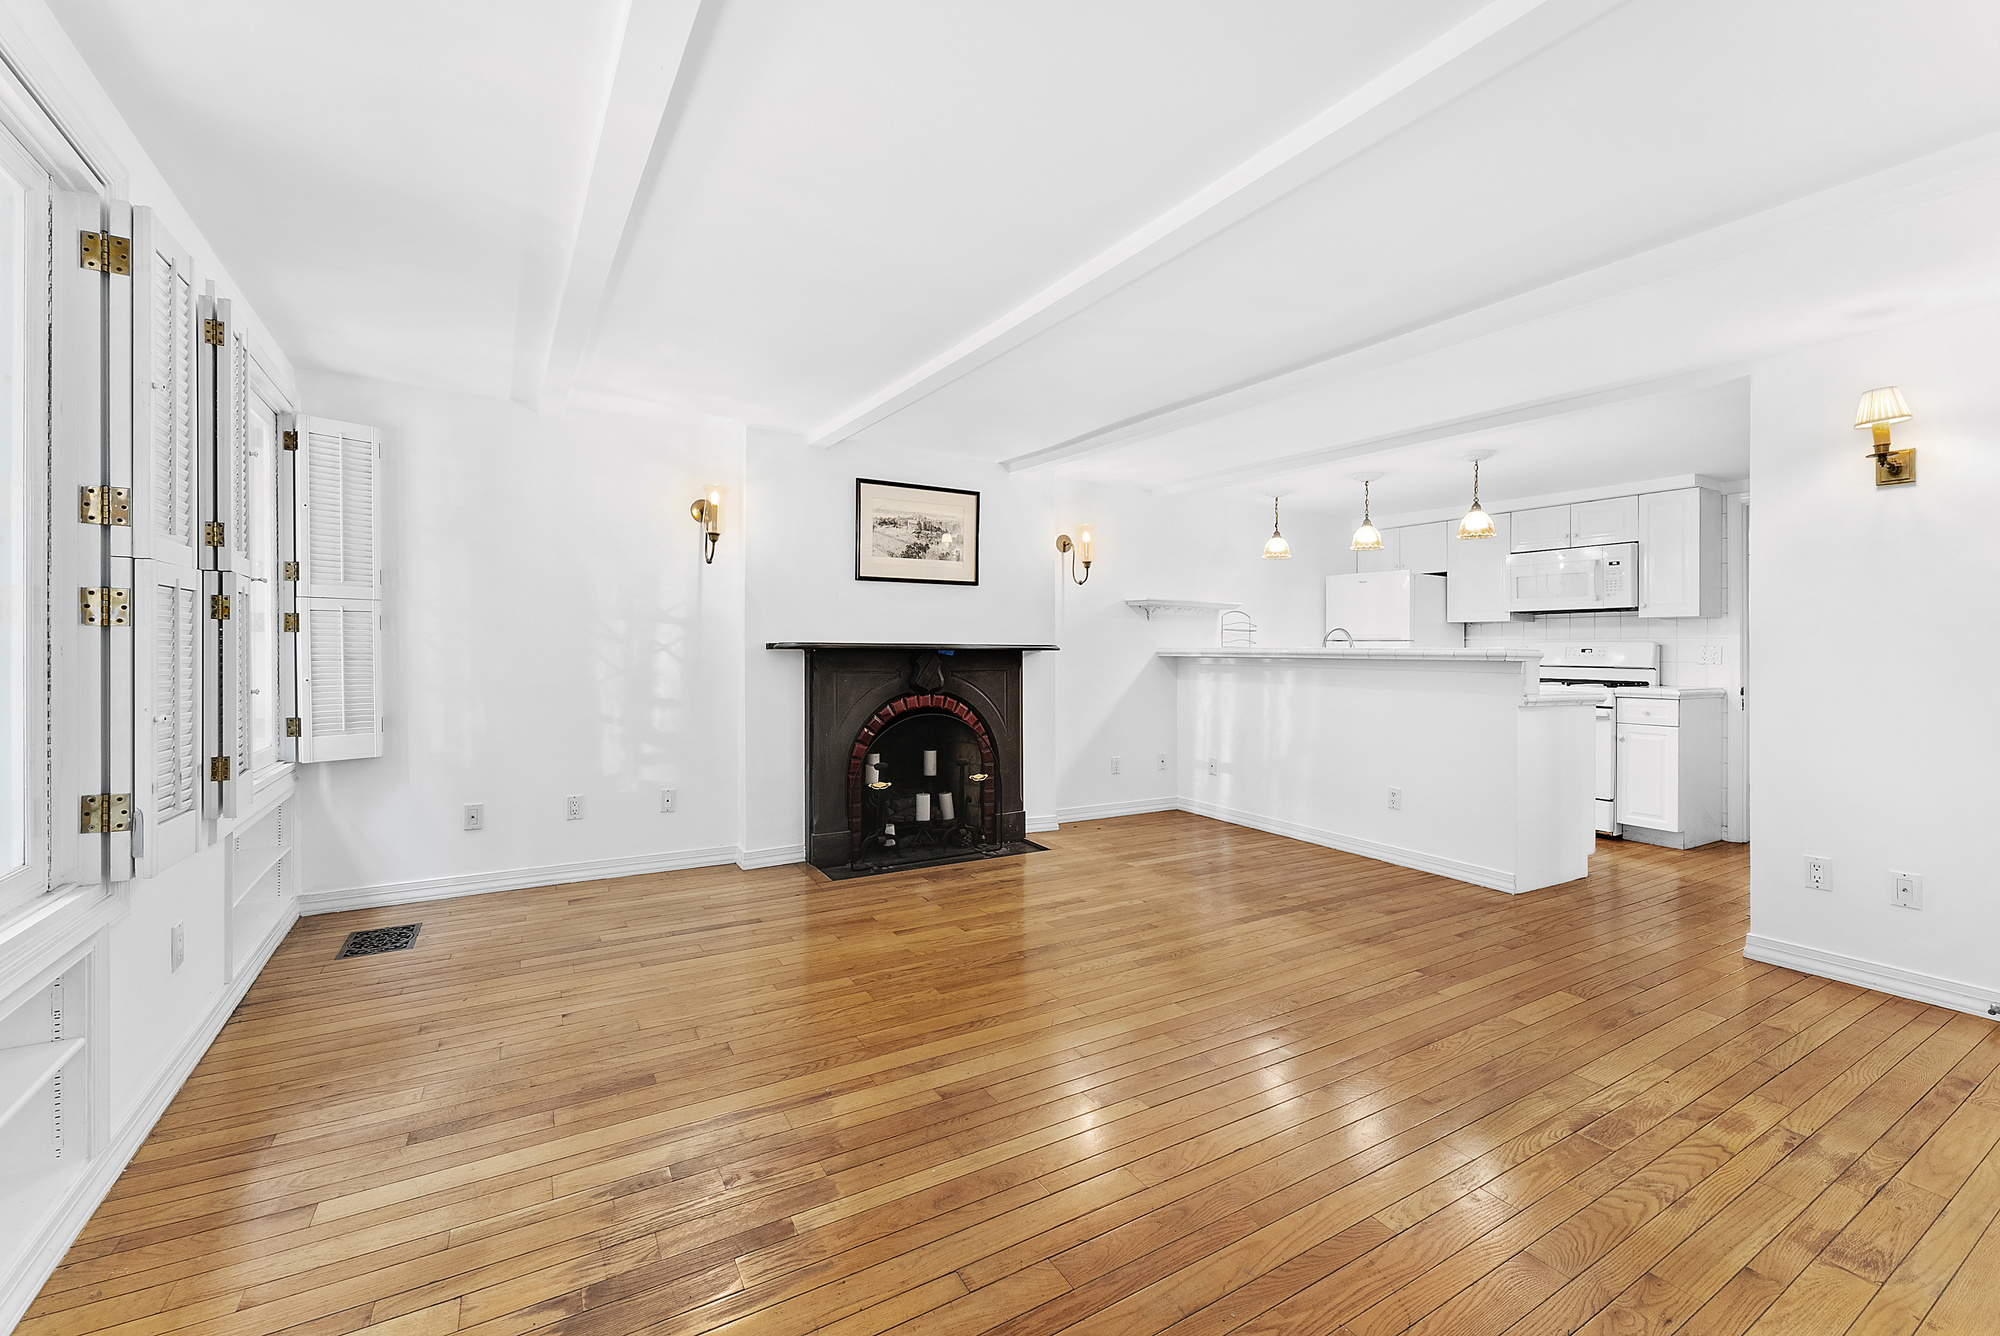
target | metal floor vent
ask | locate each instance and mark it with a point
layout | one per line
(374, 941)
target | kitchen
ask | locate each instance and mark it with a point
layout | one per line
(1619, 601)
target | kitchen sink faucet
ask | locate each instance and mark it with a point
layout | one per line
(1337, 631)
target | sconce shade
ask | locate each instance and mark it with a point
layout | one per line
(1881, 407)
(1367, 538)
(1476, 524)
(1083, 541)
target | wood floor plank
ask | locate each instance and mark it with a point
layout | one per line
(1170, 1075)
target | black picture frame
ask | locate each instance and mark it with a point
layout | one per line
(949, 512)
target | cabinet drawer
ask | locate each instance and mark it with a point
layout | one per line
(1643, 710)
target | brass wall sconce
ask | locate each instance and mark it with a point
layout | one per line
(1076, 551)
(1877, 410)
(707, 512)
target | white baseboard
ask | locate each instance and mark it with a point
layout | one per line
(39, 1260)
(1931, 988)
(514, 879)
(752, 859)
(1101, 811)
(1041, 823)
(1491, 878)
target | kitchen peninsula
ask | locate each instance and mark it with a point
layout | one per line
(1446, 760)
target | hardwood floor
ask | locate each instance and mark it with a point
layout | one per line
(1172, 1075)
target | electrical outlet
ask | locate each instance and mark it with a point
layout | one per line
(1163, 761)
(1395, 800)
(666, 800)
(179, 947)
(1213, 768)
(1711, 656)
(576, 807)
(475, 816)
(1906, 889)
(1117, 765)
(1819, 873)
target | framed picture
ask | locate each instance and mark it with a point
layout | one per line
(920, 535)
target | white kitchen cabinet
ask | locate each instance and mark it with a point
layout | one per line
(1423, 546)
(1680, 553)
(1540, 530)
(1475, 586)
(1669, 788)
(1612, 520)
(1388, 557)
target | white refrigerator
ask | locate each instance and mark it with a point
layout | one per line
(1390, 608)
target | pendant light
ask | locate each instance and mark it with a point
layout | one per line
(1275, 547)
(1477, 523)
(1367, 538)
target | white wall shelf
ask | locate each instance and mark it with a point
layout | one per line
(1168, 607)
(26, 1071)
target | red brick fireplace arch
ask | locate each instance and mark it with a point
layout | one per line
(903, 707)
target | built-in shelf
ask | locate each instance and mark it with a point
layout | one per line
(1177, 606)
(252, 866)
(26, 1071)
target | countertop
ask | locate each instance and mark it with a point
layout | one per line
(1418, 654)
(1668, 693)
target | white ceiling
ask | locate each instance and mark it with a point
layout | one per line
(1167, 243)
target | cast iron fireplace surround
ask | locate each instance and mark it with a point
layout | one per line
(967, 698)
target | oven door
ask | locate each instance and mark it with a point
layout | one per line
(1574, 579)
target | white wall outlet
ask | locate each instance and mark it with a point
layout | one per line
(475, 816)
(1213, 768)
(1906, 889)
(575, 801)
(666, 800)
(1819, 873)
(1163, 761)
(1117, 765)
(1395, 800)
(1711, 656)
(178, 947)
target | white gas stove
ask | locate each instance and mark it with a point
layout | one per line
(1593, 671)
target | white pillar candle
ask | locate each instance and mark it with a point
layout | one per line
(888, 828)
(944, 807)
(870, 775)
(930, 763)
(923, 807)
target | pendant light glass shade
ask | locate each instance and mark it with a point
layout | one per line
(1367, 538)
(1275, 547)
(1477, 523)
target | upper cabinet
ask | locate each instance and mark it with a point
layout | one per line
(1475, 587)
(1614, 520)
(1584, 524)
(1423, 546)
(1540, 530)
(1680, 553)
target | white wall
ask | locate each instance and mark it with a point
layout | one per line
(550, 629)
(1872, 739)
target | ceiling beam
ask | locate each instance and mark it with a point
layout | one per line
(657, 58)
(1957, 167)
(1534, 410)
(1500, 35)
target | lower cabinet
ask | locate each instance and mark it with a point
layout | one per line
(1670, 781)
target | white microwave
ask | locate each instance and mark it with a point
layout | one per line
(1574, 579)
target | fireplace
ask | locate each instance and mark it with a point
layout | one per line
(913, 755)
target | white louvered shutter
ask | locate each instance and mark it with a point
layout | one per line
(339, 651)
(166, 511)
(227, 690)
(169, 623)
(225, 436)
(337, 478)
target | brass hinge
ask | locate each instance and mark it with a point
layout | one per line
(291, 440)
(105, 505)
(212, 534)
(218, 607)
(106, 607)
(211, 330)
(291, 570)
(106, 253)
(294, 728)
(291, 621)
(218, 769)
(106, 813)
